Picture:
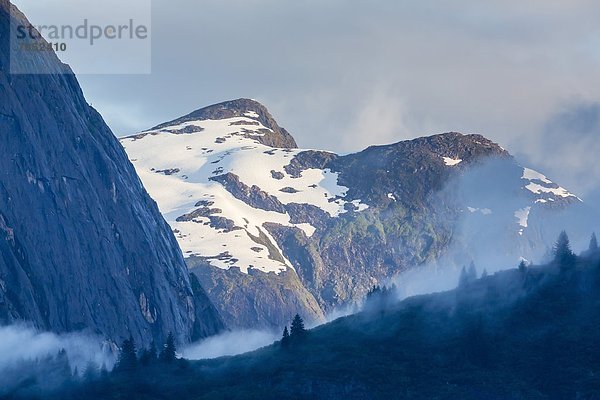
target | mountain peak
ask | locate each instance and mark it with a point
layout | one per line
(275, 137)
(463, 146)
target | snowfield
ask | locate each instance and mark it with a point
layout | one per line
(176, 166)
(539, 184)
(451, 162)
(522, 217)
(217, 186)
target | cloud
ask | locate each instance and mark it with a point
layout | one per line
(30, 362)
(568, 147)
(343, 74)
(24, 343)
(229, 344)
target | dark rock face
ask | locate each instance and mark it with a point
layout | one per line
(253, 195)
(246, 299)
(276, 136)
(82, 245)
(412, 169)
(309, 159)
(350, 253)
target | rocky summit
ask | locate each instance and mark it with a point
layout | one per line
(82, 245)
(270, 229)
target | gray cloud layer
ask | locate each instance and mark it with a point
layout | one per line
(344, 74)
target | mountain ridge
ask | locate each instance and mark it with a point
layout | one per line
(241, 107)
(335, 224)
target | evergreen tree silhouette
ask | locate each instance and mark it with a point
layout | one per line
(593, 244)
(91, 372)
(464, 278)
(169, 351)
(297, 328)
(375, 290)
(563, 255)
(522, 266)
(484, 274)
(62, 363)
(149, 355)
(472, 272)
(285, 339)
(127, 358)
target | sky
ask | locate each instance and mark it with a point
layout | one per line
(345, 74)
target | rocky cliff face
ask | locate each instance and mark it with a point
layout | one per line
(271, 230)
(82, 245)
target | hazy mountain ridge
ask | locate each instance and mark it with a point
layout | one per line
(337, 225)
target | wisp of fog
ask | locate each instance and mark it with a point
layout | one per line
(229, 344)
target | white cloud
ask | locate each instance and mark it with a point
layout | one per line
(24, 343)
(330, 70)
(229, 344)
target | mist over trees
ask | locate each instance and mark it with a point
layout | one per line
(593, 243)
(467, 275)
(488, 338)
(169, 351)
(128, 360)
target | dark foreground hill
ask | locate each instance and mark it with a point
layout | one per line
(528, 333)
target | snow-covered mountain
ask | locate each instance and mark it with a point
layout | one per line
(271, 229)
(218, 185)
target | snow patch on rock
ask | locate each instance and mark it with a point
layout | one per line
(452, 161)
(522, 216)
(191, 202)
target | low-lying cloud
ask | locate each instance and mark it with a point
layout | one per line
(567, 148)
(34, 362)
(23, 343)
(229, 344)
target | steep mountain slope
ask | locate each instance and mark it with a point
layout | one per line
(271, 230)
(82, 245)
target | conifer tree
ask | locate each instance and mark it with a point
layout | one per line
(472, 272)
(149, 355)
(91, 372)
(484, 274)
(127, 359)
(464, 278)
(522, 266)
(593, 244)
(563, 255)
(375, 290)
(285, 339)
(169, 351)
(297, 328)
(62, 363)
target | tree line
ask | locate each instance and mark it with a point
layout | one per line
(562, 255)
(129, 359)
(296, 332)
